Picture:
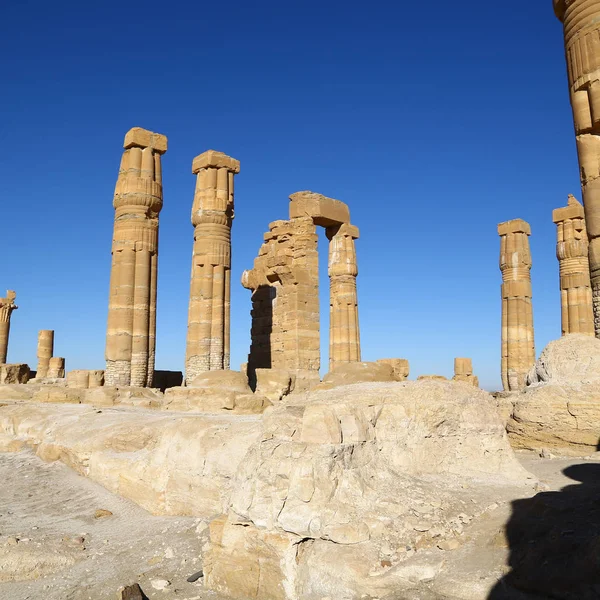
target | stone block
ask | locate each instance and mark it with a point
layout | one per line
(274, 384)
(216, 160)
(357, 372)
(399, 365)
(14, 373)
(56, 367)
(323, 211)
(143, 138)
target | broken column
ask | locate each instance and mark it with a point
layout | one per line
(45, 350)
(581, 21)
(210, 290)
(7, 305)
(131, 331)
(56, 367)
(572, 253)
(344, 336)
(463, 371)
(518, 351)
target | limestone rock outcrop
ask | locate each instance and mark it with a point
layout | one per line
(14, 373)
(358, 372)
(138, 200)
(7, 306)
(560, 409)
(169, 465)
(339, 477)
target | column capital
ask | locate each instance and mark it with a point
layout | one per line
(9, 301)
(514, 226)
(216, 160)
(573, 210)
(143, 138)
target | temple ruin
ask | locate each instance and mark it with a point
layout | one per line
(463, 371)
(581, 23)
(7, 305)
(131, 329)
(208, 335)
(572, 253)
(518, 349)
(285, 291)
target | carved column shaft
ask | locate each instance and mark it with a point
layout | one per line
(518, 350)
(7, 305)
(131, 331)
(208, 345)
(344, 335)
(45, 351)
(581, 21)
(572, 253)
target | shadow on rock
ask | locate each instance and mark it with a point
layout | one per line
(554, 542)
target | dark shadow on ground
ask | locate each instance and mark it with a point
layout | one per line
(554, 542)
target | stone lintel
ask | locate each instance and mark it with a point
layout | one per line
(324, 211)
(574, 210)
(143, 138)
(216, 160)
(346, 229)
(514, 226)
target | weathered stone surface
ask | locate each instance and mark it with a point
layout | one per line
(56, 368)
(84, 379)
(463, 371)
(358, 372)
(45, 351)
(433, 377)
(339, 477)
(208, 334)
(14, 373)
(400, 365)
(7, 306)
(572, 252)
(581, 20)
(274, 384)
(170, 465)
(138, 200)
(560, 410)
(518, 350)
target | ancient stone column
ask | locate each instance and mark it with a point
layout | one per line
(7, 305)
(131, 331)
(210, 290)
(518, 351)
(45, 350)
(581, 21)
(572, 254)
(344, 336)
(56, 367)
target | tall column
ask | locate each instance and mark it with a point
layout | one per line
(131, 331)
(210, 289)
(572, 254)
(344, 335)
(518, 350)
(581, 21)
(45, 351)
(7, 305)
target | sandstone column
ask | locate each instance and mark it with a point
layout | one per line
(210, 289)
(131, 331)
(518, 351)
(572, 254)
(344, 336)
(7, 305)
(581, 21)
(463, 371)
(56, 367)
(45, 350)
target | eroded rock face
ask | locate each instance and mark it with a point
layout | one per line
(339, 477)
(560, 409)
(14, 373)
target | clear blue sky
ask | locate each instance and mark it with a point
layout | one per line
(433, 121)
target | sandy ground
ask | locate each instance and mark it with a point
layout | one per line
(53, 546)
(48, 529)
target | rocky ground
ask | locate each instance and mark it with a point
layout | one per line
(64, 537)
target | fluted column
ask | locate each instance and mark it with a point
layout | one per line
(518, 350)
(572, 253)
(131, 331)
(210, 289)
(344, 335)
(7, 305)
(581, 23)
(45, 351)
